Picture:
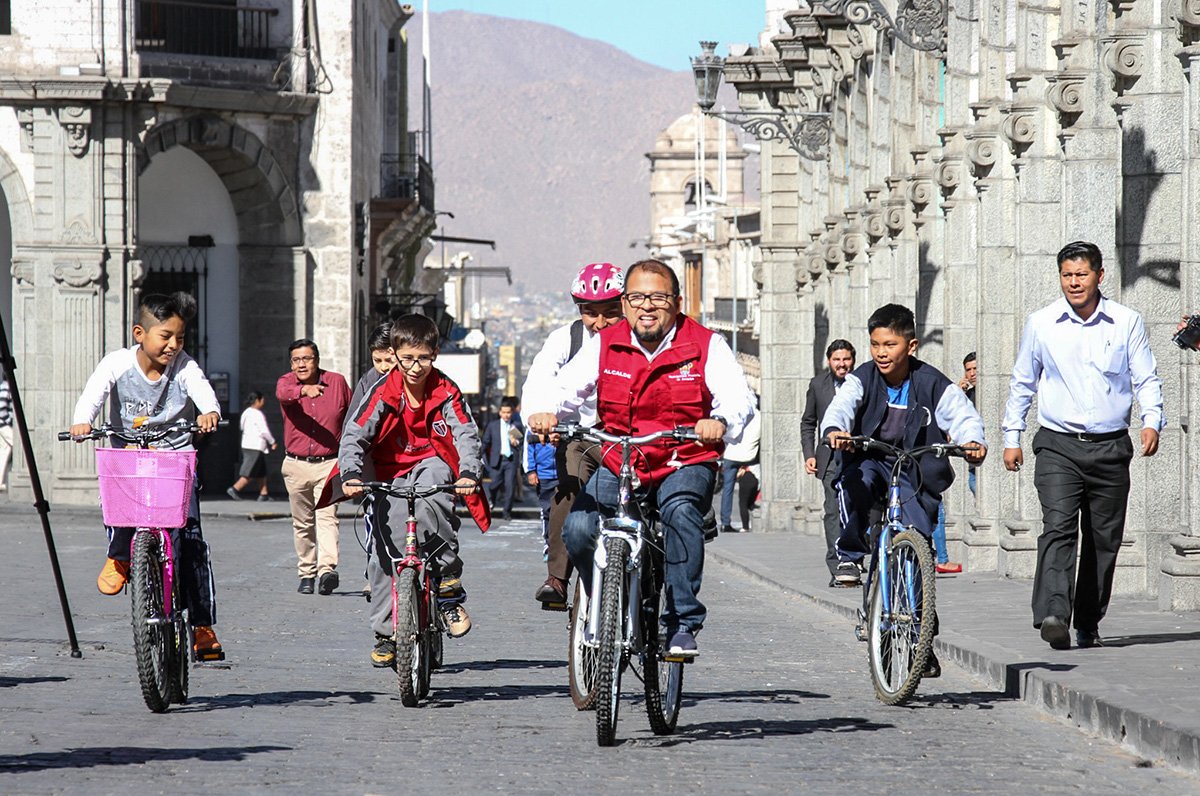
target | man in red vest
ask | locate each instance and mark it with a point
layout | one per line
(660, 370)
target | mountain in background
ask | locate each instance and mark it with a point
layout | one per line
(539, 142)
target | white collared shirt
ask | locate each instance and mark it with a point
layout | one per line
(537, 394)
(732, 398)
(1086, 373)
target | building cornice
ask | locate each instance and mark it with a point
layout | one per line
(86, 89)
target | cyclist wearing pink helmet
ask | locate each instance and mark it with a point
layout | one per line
(597, 292)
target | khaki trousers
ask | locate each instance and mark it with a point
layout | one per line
(316, 530)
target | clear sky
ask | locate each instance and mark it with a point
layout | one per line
(662, 32)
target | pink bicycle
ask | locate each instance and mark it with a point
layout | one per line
(150, 490)
(417, 624)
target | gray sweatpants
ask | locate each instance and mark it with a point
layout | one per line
(437, 530)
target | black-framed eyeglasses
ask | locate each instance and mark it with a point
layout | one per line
(408, 362)
(655, 299)
(300, 360)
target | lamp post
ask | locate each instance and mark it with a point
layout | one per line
(807, 133)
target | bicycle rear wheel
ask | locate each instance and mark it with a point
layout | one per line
(581, 657)
(900, 641)
(153, 634)
(609, 656)
(410, 651)
(663, 679)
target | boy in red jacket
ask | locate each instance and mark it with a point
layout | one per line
(417, 430)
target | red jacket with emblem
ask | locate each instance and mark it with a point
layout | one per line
(376, 428)
(636, 395)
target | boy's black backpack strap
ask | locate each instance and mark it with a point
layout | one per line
(576, 339)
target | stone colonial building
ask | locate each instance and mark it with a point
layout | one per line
(709, 237)
(950, 151)
(257, 155)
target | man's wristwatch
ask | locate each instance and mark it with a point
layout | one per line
(721, 420)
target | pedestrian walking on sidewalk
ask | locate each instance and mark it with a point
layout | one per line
(1087, 357)
(6, 431)
(839, 356)
(501, 447)
(314, 403)
(257, 442)
(739, 455)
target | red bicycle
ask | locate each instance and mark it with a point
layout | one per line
(417, 624)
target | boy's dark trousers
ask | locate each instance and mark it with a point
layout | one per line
(862, 486)
(1083, 486)
(191, 559)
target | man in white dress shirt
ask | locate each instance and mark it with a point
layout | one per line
(1088, 357)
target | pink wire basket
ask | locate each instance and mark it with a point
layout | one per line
(145, 488)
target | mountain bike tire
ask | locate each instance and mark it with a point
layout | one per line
(430, 641)
(409, 649)
(663, 679)
(581, 657)
(182, 657)
(899, 646)
(152, 643)
(610, 651)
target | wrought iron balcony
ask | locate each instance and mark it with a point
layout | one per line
(406, 177)
(198, 28)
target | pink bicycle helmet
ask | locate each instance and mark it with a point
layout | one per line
(598, 282)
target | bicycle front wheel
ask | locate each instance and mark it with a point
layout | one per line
(900, 635)
(410, 651)
(611, 651)
(153, 632)
(663, 679)
(581, 656)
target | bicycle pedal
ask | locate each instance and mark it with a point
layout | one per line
(210, 657)
(860, 632)
(679, 658)
(554, 606)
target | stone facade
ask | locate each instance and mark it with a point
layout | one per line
(964, 152)
(289, 117)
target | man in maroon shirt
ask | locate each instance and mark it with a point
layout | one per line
(314, 404)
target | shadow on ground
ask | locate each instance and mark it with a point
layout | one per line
(759, 729)
(89, 757)
(198, 704)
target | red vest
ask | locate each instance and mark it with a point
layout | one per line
(640, 396)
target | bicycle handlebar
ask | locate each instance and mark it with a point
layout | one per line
(681, 434)
(405, 492)
(939, 450)
(138, 435)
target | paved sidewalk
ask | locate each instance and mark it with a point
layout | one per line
(1139, 690)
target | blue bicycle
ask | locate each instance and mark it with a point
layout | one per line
(899, 613)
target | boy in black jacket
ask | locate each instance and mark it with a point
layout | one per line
(898, 399)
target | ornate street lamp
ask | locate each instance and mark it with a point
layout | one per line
(919, 24)
(806, 133)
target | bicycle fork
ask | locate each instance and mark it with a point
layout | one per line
(166, 558)
(628, 531)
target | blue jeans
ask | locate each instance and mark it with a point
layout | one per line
(728, 480)
(939, 535)
(684, 497)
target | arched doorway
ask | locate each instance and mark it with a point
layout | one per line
(188, 240)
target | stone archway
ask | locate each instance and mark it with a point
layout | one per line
(19, 229)
(266, 206)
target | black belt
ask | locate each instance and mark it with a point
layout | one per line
(1083, 436)
(311, 459)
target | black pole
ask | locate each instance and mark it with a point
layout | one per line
(39, 498)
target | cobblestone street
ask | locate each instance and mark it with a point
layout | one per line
(779, 701)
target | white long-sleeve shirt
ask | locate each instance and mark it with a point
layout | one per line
(256, 434)
(537, 394)
(724, 377)
(132, 394)
(1086, 373)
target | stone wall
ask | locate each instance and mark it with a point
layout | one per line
(954, 175)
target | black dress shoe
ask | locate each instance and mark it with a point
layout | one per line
(553, 591)
(1085, 639)
(306, 585)
(1055, 633)
(329, 582)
